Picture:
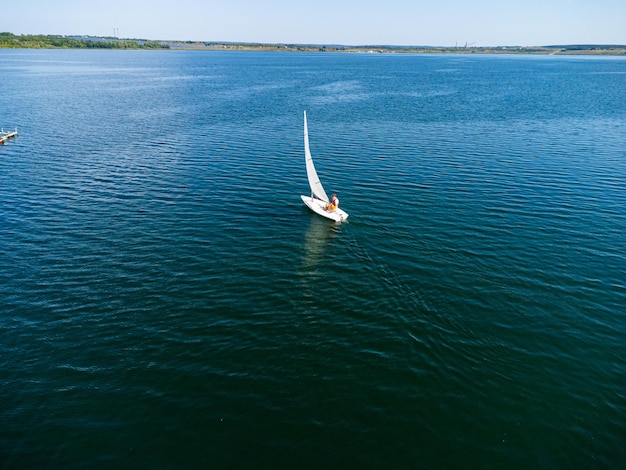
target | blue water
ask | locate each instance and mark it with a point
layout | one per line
(167, 301)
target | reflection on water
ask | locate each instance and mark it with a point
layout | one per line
(316, 239)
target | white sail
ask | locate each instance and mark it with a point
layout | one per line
(316, 186)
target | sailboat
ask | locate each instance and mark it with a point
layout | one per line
(318, 200)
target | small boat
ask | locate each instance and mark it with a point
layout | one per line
(7, 135)
(318, 201)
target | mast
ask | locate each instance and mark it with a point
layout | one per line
(317, 189)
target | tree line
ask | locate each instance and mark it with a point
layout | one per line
(40, 41)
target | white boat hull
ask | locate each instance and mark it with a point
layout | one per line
(319, 207)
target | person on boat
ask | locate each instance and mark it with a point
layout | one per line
(333, 204)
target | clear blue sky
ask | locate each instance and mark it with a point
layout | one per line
(348, 22)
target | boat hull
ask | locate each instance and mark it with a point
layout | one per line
(7, 135)
(319, 207)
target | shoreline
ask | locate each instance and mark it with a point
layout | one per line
(11, 41)
(617, 50)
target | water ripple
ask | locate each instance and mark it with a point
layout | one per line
(161, 279)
